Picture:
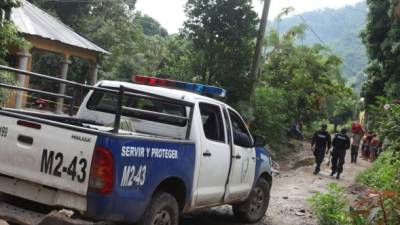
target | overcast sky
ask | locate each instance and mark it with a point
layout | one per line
(171, 16)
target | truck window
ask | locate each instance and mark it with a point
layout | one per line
(107, 102)
(213, 126)
(241, 135)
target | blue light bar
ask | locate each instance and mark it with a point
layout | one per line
(216, 91)
(198, 88)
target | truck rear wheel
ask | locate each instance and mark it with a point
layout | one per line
(162, 210)
(254, 208)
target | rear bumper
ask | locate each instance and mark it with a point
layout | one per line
(42, 194)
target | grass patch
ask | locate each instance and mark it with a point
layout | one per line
(384, 175)
(378, 204)
(331, 208)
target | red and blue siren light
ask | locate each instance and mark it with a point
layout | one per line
(198, 88)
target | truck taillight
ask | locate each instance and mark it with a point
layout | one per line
(102, 171)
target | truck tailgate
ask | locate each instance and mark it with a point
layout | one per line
(45, 154)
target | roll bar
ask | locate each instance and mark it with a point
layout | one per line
(121, 92)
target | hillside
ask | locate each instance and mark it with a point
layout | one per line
(339, 29)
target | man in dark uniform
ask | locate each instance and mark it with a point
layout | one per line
(341, 142)
(320, 144)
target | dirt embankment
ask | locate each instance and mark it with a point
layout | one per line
(290, 191)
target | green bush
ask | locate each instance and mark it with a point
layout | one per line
(381, 204)
(371, 207)
(384, 177)
(271, 115)
(8, 37)
(384, 174)
(7, 78)
(331, 208)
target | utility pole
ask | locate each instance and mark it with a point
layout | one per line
(260, 38)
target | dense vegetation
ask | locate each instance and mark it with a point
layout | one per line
(223, 33)
(381, 37)
(384, 175)
(339, 29)
(299, 84)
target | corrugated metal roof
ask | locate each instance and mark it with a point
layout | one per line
(31, 20)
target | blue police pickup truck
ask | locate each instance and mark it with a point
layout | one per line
(144, 152)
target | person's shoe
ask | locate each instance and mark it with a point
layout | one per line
(333, 173)
(315, 172)
(338, 176)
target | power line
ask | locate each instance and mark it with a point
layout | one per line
(320, 39)
(312, 30)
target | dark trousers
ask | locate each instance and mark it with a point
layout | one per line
(338, 156)
(354, 153)
(319, 154)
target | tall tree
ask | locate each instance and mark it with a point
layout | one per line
(72, 12)
(223, 33)
(110, 24)
(298, 85)
(381, 37)
(179, 61)
(307, 75)
(152, 27)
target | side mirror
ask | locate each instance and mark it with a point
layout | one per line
(259, 141)
(241, 139)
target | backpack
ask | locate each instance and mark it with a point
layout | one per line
(356, 128)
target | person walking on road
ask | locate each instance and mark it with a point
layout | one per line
(374, 147)
(366, 144)
(341, 142)
(358, 134)
(320, 144)
(355, 145)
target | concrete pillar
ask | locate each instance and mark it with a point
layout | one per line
(94, 68)
(23, 60)
(64, 73)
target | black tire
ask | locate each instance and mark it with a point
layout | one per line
(254, 208)
(162, 210)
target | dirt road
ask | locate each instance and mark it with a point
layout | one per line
(289, 194)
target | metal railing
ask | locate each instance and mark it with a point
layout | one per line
(121, 93)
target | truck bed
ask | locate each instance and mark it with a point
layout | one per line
(47, 158)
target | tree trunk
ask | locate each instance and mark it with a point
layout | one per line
(260, 38)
